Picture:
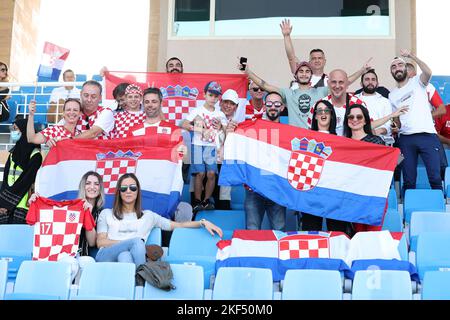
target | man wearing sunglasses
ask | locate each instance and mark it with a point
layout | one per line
(255, 107)
(299, 101)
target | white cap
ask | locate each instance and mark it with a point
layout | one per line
(231, 95)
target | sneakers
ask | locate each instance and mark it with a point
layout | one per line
(197, 206)
(207, 205)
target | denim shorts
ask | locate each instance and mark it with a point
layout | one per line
(203, 159)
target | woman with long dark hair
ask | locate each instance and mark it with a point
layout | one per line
(123, 230)
(357, 125)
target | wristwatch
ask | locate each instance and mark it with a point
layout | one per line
(202, 223)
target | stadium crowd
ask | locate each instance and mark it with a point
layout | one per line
(410, 116)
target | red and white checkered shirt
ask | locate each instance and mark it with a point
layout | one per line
(57, 227)
(56, 131)
(252, 113)
(85, 123)
(125, 120)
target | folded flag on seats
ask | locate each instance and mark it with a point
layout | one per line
(318, 173)
(155, 162)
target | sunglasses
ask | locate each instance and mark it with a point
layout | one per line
(352, 117)
(276, 104)
(132, 187)
(323, 111)
(257, 89)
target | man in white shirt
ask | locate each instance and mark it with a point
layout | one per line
(417, 132)
(66, 91)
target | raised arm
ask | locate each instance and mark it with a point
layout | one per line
(426, 71)
(259, 82)
(32, 136)
(286, 30)
(355, 76)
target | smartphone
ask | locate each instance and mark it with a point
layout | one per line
(243, 62)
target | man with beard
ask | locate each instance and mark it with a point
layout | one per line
(379, 107)
(417, 132)
(299, 101)
(174, 65)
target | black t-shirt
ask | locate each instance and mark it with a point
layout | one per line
(381, 90)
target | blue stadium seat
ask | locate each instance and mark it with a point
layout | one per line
(446, 93)
(97, 77)
(3, 277)
(188, 281)
(422, 177)
(447, 181)
(107, 280)
(154, 237)
(16, 245)
(436, 285)
(42, 280)
(243, 284)
(422, 200)
(437, 85)
(382, 285)
(403, 248)
(392, 221)
(284, 119)
(80, 77)
(194, 246)
(237, 197)
(225, 219)
(392, 199)
(427, 221)
(432, 252)
(26, 89)
(312, 285)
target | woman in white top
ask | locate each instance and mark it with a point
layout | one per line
(123, 231)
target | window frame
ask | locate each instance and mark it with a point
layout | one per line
(213, 36)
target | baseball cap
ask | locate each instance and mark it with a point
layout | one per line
(231, 95)
(398, 59)
(213, 87)
(302, 64)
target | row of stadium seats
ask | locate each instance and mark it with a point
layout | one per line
(41, 280)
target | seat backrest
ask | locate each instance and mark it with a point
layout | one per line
(436, 285)
(3, 277)
(422, 200)
(225, 219)
(243, 284)
(392, 221)
(432, 252)
(312, 285)
(16, 238)
(154, 237)
(392, 199)
(188, 241)
(382, 285)
(188, 281)
(49, 278)
(108, 279)
(427, 221)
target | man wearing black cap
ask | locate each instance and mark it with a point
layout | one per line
(299, 101)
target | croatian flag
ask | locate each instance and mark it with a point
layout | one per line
(157, 166)
(52, 62)
(181, 92)
(309, 171)
(281, 251)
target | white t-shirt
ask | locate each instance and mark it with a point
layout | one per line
(207, 116)
(63, 93)
(378, 107)
(414, 95)
(130, 226)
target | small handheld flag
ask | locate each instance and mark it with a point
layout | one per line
(53, 58)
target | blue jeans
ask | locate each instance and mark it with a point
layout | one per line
(256, 205)
(131, 250)
(428, 146)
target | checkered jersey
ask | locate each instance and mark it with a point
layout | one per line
(57, 227)
(252, 113)
(57, 131)
(125, 120)
(112, 169)
(84, 121)
(304, 170)
(176, 110)
(352, 99)
(303, 246)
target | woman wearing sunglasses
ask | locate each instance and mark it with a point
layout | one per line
(324, 120)
(53, 134)
(123, 230)
(357, 125)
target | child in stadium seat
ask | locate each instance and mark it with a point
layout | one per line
(123, 230)
(324, 120)
(71, 114)
(19, 175)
